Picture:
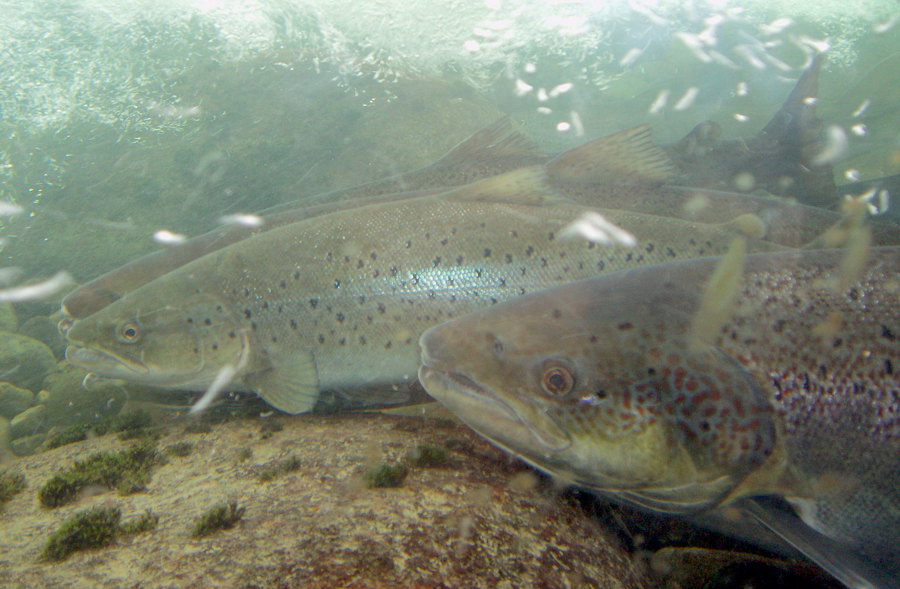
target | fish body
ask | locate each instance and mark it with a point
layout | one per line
(606, 384)
(692, 180)
(338, 302)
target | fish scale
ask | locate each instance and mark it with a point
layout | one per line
(338, 302)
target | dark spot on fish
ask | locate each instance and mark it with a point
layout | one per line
(346, 259)
(806, 385)
(557, 313)
(692, 241)
(888, 366)
(778, 326)
(274, 339)
(215, 346)
(246, 292)
(853, 294)
(376, 273)
(265, 305)
(514, 233)
(313, 303)
(591, 245)
(415, 278)
(337, 283)
(601, 394)
(651, 371)
(408, 244)
(360, 264)
(321, 338)
(629, 257)
(593, 339)
(444, 241)
(362, 340)
(329, 256)
(670, 252)
(650, 247)
(388, 345)
(887, 333)
(436, 262)
(293, 324)
(482, 225)
(408, 341)
(339, 317)
(247, 314)
(837, 342)
(477, 272)
(625, 326)
(232, 335)
(296, 275)
(543, 262)
(704, 426)
(369, 319)
(601, 265)
(381, 308)
(487, 252)
(253, 325)
(394, 270)
(509, 258)
(551, 236)
(529, 250)
(459, 260)
(196, 350)
(343, 341)
(374, 256)
(190, 319)
(207, 321)
(493, 301)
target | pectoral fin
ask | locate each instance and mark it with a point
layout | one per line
(291, 384)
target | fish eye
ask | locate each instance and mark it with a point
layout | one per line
(557, 379)
(128, 332)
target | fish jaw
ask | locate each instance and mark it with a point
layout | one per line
(105, 363)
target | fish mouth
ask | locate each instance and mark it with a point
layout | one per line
(103, 363)
(483, 408)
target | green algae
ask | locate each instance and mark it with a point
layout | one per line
(385, 475)
(91, 528)
(10, 484)
(128, 471)
(219, 517)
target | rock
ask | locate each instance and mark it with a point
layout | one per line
(8, 319)
(69, 401)
(461, 525)
(6, 451)
(43, 329)
(24, 362)
(14, 400)
(28, 422)
(28, 444)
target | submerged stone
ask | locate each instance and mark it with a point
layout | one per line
(8, 319)
(24, 362)
(28, 422)
(14, 400)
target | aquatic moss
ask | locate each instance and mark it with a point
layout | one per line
(428, 456)
(219, 517)
(10, 484)
(143, 523)
(244, 454)
(291, 464)
(128, 471)
(180, 449)
(269, 427)
(132, 424)
(69, 435)
(385, 475)
(197, 427)
(91, 528)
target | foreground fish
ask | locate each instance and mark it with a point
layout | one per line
(631, 385)
(338, 302)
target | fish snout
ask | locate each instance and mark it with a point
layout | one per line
(433, 347)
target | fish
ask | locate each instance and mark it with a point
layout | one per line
(691, 386)
(624, 170)
(337, 302)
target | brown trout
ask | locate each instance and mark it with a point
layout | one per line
(643, 387)
(621, 171)
(337, 302)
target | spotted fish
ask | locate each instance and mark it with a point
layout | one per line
(337, 302)
(642, 386)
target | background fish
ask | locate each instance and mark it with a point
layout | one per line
(607, 384)
(339, 301)
(689, 180)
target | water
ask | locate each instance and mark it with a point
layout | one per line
(119, 120)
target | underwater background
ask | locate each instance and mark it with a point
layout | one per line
(124, 125)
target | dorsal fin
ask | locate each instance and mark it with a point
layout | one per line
(626, 157)
(522, 186)
(496, 141)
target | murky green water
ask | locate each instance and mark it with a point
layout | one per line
(119, 120)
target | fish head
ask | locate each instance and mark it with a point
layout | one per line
(181, 343)
(591, 394)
